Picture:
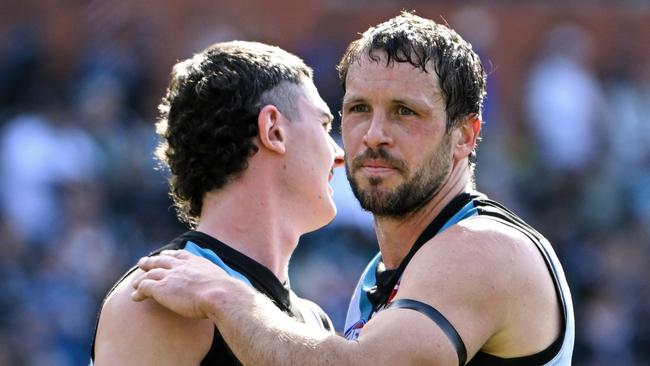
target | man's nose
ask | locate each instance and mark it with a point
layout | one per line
(338, 153)
(376, 135)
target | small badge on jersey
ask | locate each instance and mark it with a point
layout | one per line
(352, 333)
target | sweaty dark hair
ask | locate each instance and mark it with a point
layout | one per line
(208, 116)
(422, 42)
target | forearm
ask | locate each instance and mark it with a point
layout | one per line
(260, 334)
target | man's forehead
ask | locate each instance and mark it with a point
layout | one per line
(313, 97)
(401, 78)
(379, 59)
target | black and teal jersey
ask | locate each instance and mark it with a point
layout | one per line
(378, 286)
(249, 271)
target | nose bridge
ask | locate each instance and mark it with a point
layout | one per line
(376, 133)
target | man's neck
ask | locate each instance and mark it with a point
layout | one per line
(252, 223)
(396, 236)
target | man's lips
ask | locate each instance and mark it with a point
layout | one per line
(376, 164)
(376, 167)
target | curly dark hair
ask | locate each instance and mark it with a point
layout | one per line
(208, 116)
(419, 41)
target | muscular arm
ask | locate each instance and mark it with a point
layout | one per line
(146, 333)
(259, 334)
(268, 337)
(471, 280)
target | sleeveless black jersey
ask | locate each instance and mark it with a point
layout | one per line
(378, 286)
(246, 269)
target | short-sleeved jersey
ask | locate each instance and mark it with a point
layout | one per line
(251, 272)
(378, 286)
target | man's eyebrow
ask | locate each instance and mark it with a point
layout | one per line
(353, 99)
(407, 101)
(328, 116)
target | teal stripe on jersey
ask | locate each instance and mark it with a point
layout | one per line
(214, 258)
(467, 211)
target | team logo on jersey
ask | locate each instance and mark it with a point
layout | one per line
(352, 333)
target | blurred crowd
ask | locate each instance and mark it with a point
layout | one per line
(81, 197)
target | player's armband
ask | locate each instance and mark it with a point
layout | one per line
(437, 318)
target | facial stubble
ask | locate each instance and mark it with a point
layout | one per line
(418, 188)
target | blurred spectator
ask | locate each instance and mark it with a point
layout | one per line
(40, 154)
(563, 101)
(627, 89)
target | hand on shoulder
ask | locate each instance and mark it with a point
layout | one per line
(143, 333)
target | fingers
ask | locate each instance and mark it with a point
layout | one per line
(180, 254)
(155, 274)
(143, 281)
(143, 290)
(166, 259)
(154, 269)
(157, 261)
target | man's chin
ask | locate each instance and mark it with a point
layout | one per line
(328, 214)
(373, 200)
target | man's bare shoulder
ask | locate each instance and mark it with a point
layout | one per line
(480, 246)
(464, 269)
(142, 333)
(485, 272)
(504, 252)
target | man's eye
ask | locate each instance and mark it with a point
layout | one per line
(359, 108)
(403, 111)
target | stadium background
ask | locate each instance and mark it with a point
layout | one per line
(566, 145)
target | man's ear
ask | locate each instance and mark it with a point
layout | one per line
(272, 133)
(467, 136)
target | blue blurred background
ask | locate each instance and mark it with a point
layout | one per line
(566, 145)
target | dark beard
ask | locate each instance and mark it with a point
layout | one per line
(409, 196)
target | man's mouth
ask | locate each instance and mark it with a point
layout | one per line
(376, 167)
(377, 162)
